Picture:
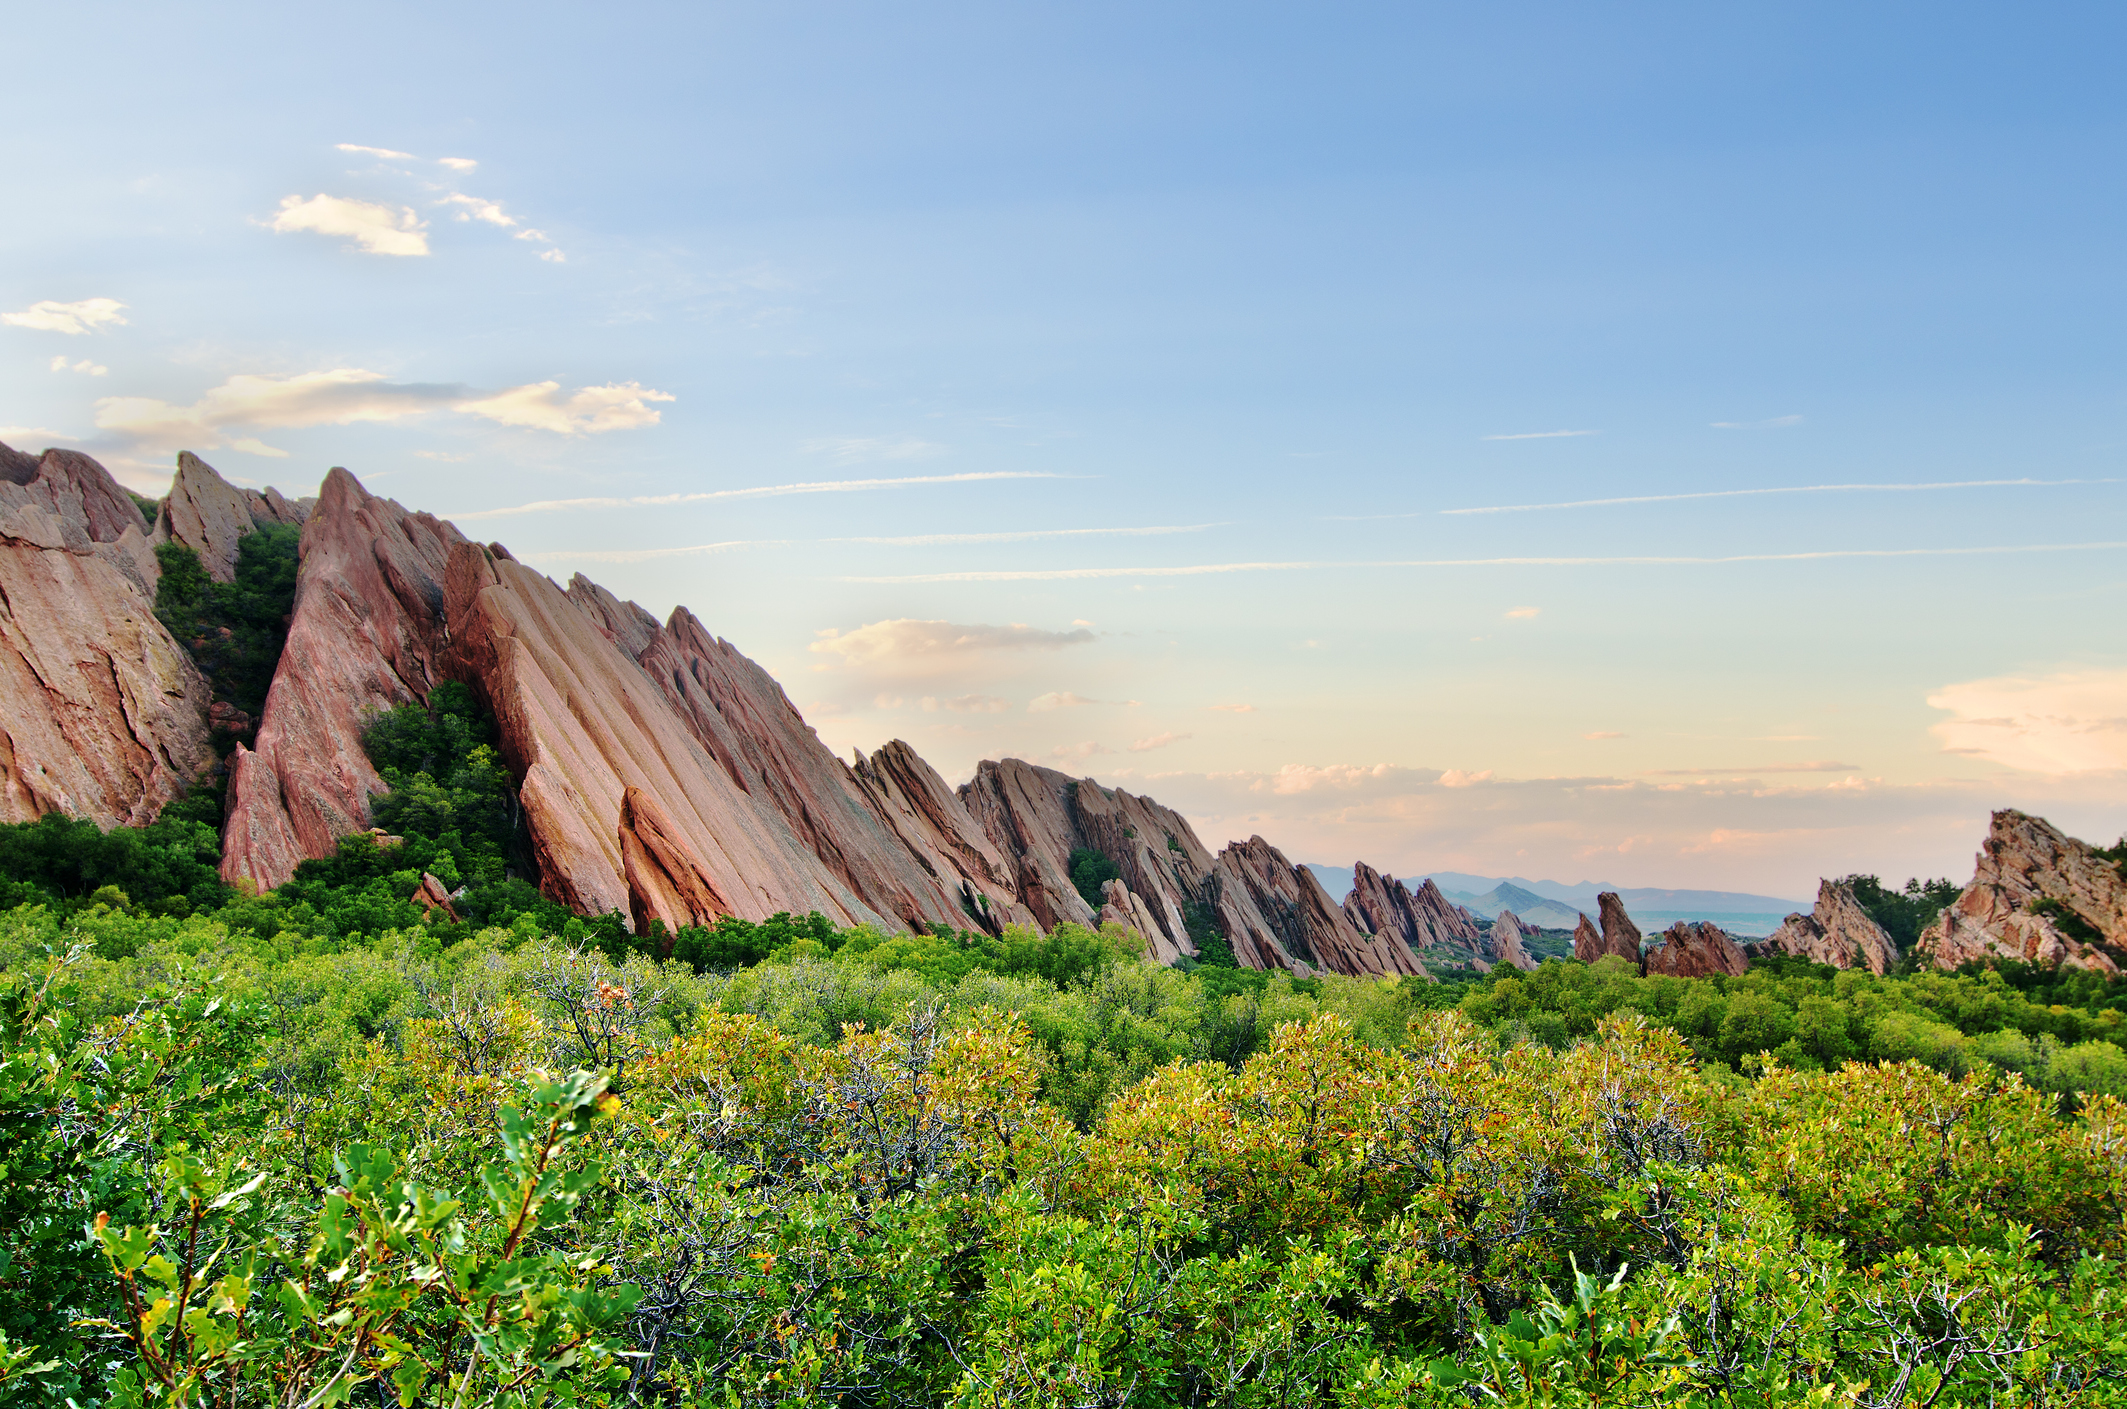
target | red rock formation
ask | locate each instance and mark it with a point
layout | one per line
(1504, 943)
(1618, 935)
(209, 515)
(1695, 949)
(935, 827)
(2025, 862)
(365, 636)
(1839, 933)
(432, 895)
(101, 714)
(664, 883)
(1425, 921)
(1304, 925)
(1121, 907)
(1587, 942)
(581, 723)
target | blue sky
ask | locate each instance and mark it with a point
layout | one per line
(1256, 292)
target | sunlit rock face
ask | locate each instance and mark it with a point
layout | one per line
(2038, 896)
(1506, 943)
(102, 714)
(1839, 932)
(1694, 949)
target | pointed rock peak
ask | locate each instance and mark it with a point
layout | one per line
(1695, 949)
(16, 467)
(208, 514)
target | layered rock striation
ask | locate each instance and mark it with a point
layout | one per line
(1617, 937)
(1424, 921)
(2037, 896)
(102, 714)
(1838, 932)
(211, 516)
(1506, 944)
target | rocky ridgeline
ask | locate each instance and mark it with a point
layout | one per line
(666, 776)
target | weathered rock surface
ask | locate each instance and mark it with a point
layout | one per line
(102, 715)
(365, 636)
(1618, 935)
(1504, 945)
(209, 514)
(1838, 932)
(2025, 861)
(432, 895)
(934, 825)
(581, 723)
(1587, 941)
(1426, 922)
(1694, 949)
(1121, 907)
(664, 884)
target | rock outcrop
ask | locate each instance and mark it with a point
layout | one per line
(365, 636)
(1839, 932)
(1120, 907)
(934, 826)
(581, 723)
(1618, 935)
(102, 714)
(210, 515)
(664, 884)
(432, 895)
(1505, 943)
(1424, 921)
(2037, 896)
(1694, 949)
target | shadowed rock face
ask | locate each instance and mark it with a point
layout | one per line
(2024, 863)
(664, 884)
(1695, 949)
(1504, 945)
(365, 636)
(1839, 932)
(102, 715)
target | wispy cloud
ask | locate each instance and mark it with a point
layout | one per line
(84, 366)
(1541, 435)
(383, 153)
(347, 395)
(1057, 699)
(767, 491)
(1157, 741)
(73, 319)
(1782, 489)
(587, 411)
(1234, 708)
(1604, 734)
(1524, 613)
(967, 704)
(1065, 574)
(1815, 767)
(919, 540)
(475, 208)
(374, 229)
(457, 163)
(904, 638)
(1769, 424)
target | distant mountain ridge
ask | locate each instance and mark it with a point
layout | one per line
(1487, 895)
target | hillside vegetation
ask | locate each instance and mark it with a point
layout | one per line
(321, 1146)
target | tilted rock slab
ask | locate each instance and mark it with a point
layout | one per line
(366, 634)
(1426, 921)
(1121, 907)
(2023, 860)
(935, 826)
(1839, 932)
(581, 724)
(211, 516)
(1694, 949)
(1504, 944)
(1618, 935)
(102, 714)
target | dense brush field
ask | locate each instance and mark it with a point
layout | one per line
(317, 1147)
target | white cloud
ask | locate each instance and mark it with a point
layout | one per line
(385, 153)
(2072, 722)
(340, 397)
(258, 447)
(539, 235)
(74, 319)
(1542, 435)
(84, 366)
(846, 450)
(1771, 423)
(967, 704)
(375, 229)
(474, 208)
(1234, 708)
(1456, 778)
(1523, 613)
(1057, 699)
(590, 410)
(1157, 741)
(457, 163)
(904, 639)
(554, 256)
(347, 395)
